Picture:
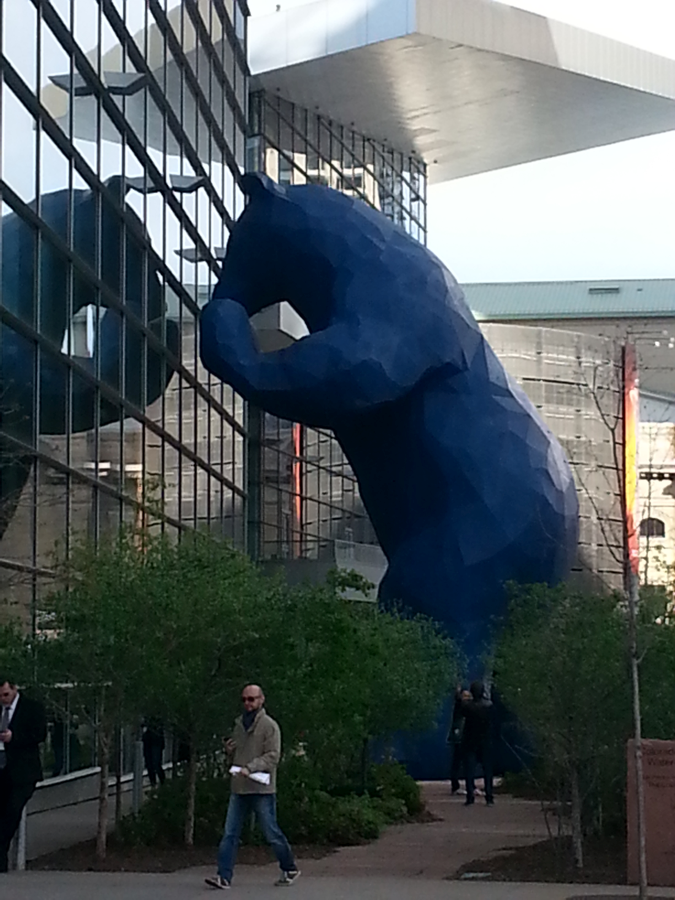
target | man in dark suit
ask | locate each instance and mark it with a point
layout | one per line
(23, 728)
(478, 712)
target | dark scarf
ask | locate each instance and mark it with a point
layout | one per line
(248, 718)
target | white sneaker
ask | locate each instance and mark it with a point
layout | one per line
(215, 881)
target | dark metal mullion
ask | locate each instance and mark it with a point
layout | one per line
(37, 256)
(15, 566)
(48, 125)
(193, 396)
(181, 260)
(112, 299)
(305, 460)
(327, 123)
(109, 393)
(98, 262)
(37, 313)
(176, 45)
(231, 33)
(144, 310)
(210, 241)
(209, 462)
(424, 200)
(160, 97)
(380, 151)
(163, 401)
(94, 183)
(228, 90)
(67, 41)
(317, 149)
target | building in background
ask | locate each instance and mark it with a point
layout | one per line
(636, 312)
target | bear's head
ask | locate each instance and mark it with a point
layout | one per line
(295, 244)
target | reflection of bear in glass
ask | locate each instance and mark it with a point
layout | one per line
(17, 365)
(464, 484)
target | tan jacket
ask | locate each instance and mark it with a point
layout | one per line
(259, 750)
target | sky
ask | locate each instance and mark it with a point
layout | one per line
(605, 213)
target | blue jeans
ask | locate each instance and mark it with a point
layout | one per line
(265, 808)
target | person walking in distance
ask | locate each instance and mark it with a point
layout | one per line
(255, 748)
(23, 727)
(455, 739)
(153, 750)
(478, 713)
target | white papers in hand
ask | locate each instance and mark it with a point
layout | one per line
(261, 777)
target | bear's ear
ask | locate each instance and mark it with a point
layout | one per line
(257, 184)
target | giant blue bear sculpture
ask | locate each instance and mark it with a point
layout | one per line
(465, 486)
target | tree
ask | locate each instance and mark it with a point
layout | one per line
(99, 621)
(343, 673)
(618, 412)
(208, 606)
(562, 668)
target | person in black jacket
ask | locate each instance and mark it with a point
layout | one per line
(455, 739)
(23, 727)
(478, 713)
(153, 750)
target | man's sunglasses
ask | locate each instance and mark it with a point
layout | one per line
(249, 699)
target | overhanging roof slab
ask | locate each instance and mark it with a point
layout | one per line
(469, 85)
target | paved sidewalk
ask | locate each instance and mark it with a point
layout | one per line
(256, 884)
(411, 861)
(437, 849)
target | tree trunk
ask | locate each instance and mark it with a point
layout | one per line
(577, 834)
(119, 755)
(633, 600)
(364, 765)
(104, 763)
(191, 796)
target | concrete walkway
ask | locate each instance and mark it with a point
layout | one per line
(437, 849)
(411, 861)
(256, 884)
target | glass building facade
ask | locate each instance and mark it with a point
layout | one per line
(123, 139)
(308, 501)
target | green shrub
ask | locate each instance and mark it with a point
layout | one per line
(322, 819)
(160, 821)
(389, 781)
(310, 816)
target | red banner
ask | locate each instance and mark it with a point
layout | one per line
(631, 414)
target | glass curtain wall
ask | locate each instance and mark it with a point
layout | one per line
(123, 130)
(307, 495)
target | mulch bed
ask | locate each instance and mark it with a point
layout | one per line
(552, 861)
(82, 857)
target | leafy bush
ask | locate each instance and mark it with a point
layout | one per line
(306, 813)
(160, 821)
(390, 782)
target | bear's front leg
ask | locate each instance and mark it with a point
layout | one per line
(227, 345)
(321, 379)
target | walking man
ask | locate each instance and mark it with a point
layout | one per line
(478, 714)
(23, 727)
(255, 747)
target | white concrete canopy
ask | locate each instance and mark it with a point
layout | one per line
(469, 85)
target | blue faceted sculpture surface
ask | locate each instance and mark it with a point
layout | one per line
(465, 485)
(119, 354)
